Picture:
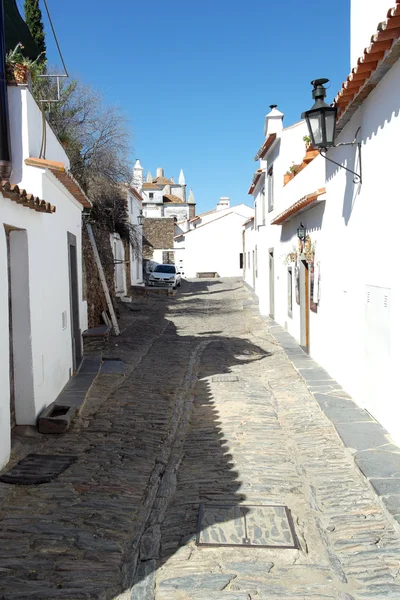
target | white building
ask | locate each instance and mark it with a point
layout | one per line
(128, 257)
(213, 241)
(162, 197)
(338, 295)
(42, 312)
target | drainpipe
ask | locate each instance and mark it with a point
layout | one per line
(5, 149)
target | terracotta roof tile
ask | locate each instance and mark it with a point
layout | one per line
(298, 207)
(172, 198)
(163, 181)
(152, 186)
(64, 176)
(266, 146)
(256, 178)
(371, 67)
(20, 196)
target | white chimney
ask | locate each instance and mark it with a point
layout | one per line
(224, 202)
(273, 121)
(137, 177)
(160, 172)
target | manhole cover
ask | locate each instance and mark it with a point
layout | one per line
(225, 378)
(255, 526)
(38, 468)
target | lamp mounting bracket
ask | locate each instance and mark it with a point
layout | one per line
(357, 176)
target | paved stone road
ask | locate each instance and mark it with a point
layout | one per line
(211, 411)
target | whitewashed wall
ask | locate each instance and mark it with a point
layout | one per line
(360, 249)
(215, 247)
(50, 353)
(135, 208)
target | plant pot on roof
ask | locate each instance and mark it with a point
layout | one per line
(311, 153)
(19, 68)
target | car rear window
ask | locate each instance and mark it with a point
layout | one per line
(164, 269)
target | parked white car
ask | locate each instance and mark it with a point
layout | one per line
(165, 276)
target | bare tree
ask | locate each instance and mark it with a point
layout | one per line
(96, 135)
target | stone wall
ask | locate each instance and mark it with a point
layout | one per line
(92, 289)
(157, 234)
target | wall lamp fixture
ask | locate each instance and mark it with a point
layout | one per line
(321, 123)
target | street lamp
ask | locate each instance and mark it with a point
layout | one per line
(140, 218)
(301, 233)
(321, 123)
(321, 118)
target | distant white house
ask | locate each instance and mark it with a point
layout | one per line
(42, 312)
(338, 293)
(212, 242)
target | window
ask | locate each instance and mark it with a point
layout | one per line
(270, 189)
(263, 206)
(151, 195)
(241, 260)
(290, 291)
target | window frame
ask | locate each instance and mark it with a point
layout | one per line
(270, 187)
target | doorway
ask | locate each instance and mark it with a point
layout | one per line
(304, 306)
(254, 271)
(74, 302)
(22, 404)
(271, 283)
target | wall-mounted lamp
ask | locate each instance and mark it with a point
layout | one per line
(140, 218)
(321, 123)
(301, 233)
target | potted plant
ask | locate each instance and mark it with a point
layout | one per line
(307, 141)
(18, 67)
(287, 177)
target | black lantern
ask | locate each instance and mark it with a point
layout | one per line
(301, 233)
(321, 118)
(140, 218)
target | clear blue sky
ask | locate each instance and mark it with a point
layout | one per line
(196, 78)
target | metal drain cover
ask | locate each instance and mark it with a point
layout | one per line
(37, 468)
(225, 378)
(258, 526)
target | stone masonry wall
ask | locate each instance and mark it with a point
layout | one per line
(92, 288)
(157, 233)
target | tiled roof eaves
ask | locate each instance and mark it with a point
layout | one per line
(64, 176)
(136, 193)
(20, 196)
(256, 178)
(266, 146)
(298, 206)
(371, 67)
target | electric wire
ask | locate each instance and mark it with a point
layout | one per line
(55, 36)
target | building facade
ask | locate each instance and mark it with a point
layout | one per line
(42, 312)
(337, 290)
(212, 242)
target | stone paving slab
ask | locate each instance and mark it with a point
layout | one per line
(374, 452)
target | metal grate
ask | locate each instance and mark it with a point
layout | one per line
(256, 526)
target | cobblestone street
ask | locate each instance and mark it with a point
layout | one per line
(210, 411)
